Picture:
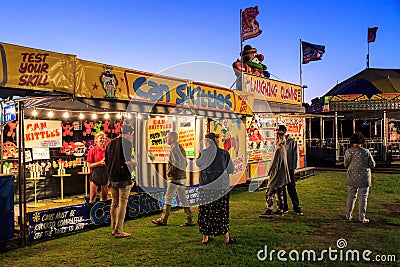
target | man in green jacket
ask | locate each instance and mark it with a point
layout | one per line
(176, 178)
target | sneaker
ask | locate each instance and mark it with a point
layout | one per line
(285, 212)
(300, 213)
(267, 214)
(279, 212)
(365, 220)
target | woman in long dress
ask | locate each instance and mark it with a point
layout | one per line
(216, 165)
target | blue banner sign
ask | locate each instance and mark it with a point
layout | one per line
(9, 112)
(54, 222)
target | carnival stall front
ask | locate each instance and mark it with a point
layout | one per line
(65, 101)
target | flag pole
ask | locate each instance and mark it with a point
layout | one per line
(368, 50)
(241, 50)
(301, 70)
(241, 35)
(301, 74)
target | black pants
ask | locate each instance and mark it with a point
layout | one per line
(270, 195)
(291, 188)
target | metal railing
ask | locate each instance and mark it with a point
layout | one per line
(326, 149)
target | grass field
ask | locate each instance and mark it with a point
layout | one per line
(322, 197)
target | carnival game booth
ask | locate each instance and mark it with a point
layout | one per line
(28, 78)
(63, 101)
(367, 102)
(275, 103)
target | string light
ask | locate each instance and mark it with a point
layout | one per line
(50, 114)
(140, 116)
(119, 116)
(106, 116)
(66, 115)
(81, 116)
(94, 116)
(128, 115)
(34, 113)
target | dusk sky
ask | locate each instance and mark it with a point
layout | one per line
(156, 35)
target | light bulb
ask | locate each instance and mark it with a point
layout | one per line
(81, 116)
(119, 115)
(94, 116)
(34, 113)
(106, 116)
(66, 115)
(50, 114)
(140, 116)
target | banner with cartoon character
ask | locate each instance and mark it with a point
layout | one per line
(95, 80)
(158, 150)
(33, 69)
(43, 133)
(232, 138)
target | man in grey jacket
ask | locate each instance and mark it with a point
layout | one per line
(176, 178)
(292, 158)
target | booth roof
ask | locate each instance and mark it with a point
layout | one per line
(369, 82)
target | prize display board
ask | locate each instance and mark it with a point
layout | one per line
(260, 137)
(294, 127)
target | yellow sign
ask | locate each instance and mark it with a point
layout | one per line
(187, 134)
(28, 68)
(158, 150)
(271, 90)
(244, 102)
(95, 80)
